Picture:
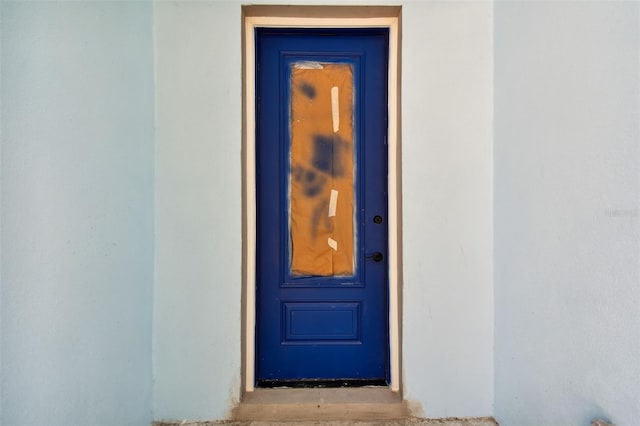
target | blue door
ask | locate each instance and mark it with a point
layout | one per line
(321, 179)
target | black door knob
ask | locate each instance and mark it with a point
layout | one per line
(377, 219)
(377, 257)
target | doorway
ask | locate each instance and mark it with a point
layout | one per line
(321, 181)
(334, 319)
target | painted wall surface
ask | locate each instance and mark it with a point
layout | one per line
(1, 138)
(447, 151)
(198, 270)
(77, 213)
(447, 98)
(567, 187)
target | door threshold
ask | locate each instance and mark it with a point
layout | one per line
(293, 404)
(321, 383)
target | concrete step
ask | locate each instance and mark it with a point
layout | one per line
(321, 412)
(334, 407)
(367, 406)
(412, 421)
(336, 404)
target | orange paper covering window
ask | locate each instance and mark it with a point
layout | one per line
(322, 170)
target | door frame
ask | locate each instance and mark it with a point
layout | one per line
(319, 17)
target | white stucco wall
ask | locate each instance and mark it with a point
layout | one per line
(78, 200)
(1, 134)
(447, 98)
(198, 274)
(567, 187)
(77, 213)
(447, 151)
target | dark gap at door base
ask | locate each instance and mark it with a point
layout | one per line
(321, 383)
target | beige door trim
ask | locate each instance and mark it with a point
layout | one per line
(319, 17)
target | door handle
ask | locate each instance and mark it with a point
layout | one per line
(377, 257)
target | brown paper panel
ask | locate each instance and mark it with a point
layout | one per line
(321, 161)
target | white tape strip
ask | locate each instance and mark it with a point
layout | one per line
(332, 243)
(308, 65)
(333, 202)
(335, 109)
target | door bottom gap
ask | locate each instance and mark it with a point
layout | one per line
(321, 383)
